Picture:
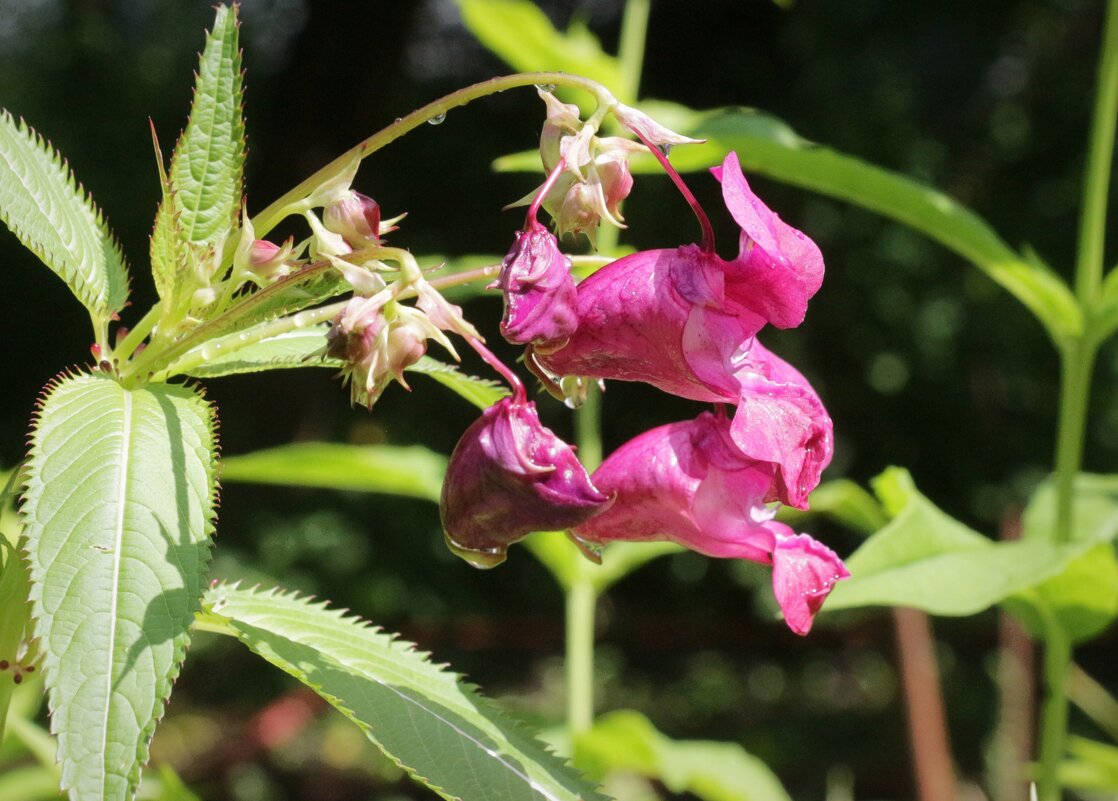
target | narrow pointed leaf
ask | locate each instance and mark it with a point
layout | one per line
(433, 725)
(522, 36)
(53, 217)
(413, 471)
(118, 506)
(299, 348)
(208, 163)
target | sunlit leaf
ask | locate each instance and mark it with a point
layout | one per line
(439, 729)
(522, 36)
(118, 506)
(927, 560)
(708, 770)
(53, 217)
(413, 471)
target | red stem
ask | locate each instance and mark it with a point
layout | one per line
(552, 177)
(707, 243)
(519, 395)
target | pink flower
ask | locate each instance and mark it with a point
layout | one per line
(510, 476)
(690, 483)
(539, 291)
(780, 266)
(685, 321)
(781, 421)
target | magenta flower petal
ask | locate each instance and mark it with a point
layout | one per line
(689, 483)
(781, 420)
(510, 476)
(804, 572)
(778, 267)
(659, 316)
(539, 291)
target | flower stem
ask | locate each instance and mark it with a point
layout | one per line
(465, 277)
(519, 395)
(137, 334)
(267, 219)
(707, 243)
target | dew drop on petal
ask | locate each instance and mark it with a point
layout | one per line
(665, 149)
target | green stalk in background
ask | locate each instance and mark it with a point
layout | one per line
(582, 595)
(1077, 362)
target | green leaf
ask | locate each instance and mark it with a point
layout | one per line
(427, 720)
(1090, 765)
(481, 392)
(299, 348)
(927, 560)
(844, 501)
(207, 167)
(413, 471)
(53, 217)
(522, 36)
(1083, 599)
(712, 771)
(1094, 512)
(118, 506)
(768, 146)
(29, 783)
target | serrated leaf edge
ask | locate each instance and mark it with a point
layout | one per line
(36, 623)
(507, 724)
(103, 307)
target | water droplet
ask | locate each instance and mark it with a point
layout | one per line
(243, 336)
(481, 558)
(398, 120)
(438, 119)
(665, 149)
(546, 87)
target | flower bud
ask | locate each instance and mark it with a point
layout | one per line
(376, 342)
(539, 291)
(510, 476)
(356, 217)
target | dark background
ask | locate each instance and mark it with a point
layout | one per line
(921, 360)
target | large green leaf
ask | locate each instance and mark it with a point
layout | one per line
(521, 35)
(53, 217)
(118, 506)
(768, 146)
(927, 560)
(208, 163)
(712, 771)
(413, 471)
(437, 728)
